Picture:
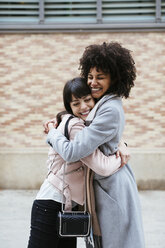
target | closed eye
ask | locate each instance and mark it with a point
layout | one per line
(76, 104)
(90, 77)
(88, 99)
(100, 78)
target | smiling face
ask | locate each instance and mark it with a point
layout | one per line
(99, 82)
(82, 106)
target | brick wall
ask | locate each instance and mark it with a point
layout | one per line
(35, 67)
(33, 71)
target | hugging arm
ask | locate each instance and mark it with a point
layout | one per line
(103, 128)
(97, 161)
(101, 164)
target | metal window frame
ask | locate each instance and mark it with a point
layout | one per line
(41, 12)
(158, 25)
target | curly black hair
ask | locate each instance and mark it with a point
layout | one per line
(114, 59)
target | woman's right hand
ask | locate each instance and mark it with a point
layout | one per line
(124, 153)
(46, 125)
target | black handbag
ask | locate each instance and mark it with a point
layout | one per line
(74, 223)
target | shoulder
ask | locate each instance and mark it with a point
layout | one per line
(111, 103)
(111, 106)
(111, 111)
(74, 123)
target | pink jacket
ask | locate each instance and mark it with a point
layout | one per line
(74, 172)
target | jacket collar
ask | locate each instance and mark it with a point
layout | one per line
(92, 113)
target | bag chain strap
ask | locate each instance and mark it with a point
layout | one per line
(85, 195)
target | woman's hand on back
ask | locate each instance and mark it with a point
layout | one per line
(49, 124)
(124, 153)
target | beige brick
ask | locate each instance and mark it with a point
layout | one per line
(35, 67)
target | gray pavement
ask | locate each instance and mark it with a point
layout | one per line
(15, 208)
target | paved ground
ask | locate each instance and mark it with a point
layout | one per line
(15, 208)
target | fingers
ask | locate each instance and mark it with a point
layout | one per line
(124, 159)
(47, 125)
(45, 128)
(117, 154)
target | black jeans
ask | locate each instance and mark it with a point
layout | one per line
(44, 228)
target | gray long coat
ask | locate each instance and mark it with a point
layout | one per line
(117, 201)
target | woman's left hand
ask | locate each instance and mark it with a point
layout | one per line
(50, 126)
(124, 153)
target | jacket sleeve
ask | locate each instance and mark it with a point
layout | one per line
(97, 161)
(101, 164)
(103, 128)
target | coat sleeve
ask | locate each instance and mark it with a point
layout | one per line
(103, 128)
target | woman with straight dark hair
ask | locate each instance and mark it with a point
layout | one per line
(78, 102)
(110, 72)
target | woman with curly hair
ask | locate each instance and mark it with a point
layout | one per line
(110, 72)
